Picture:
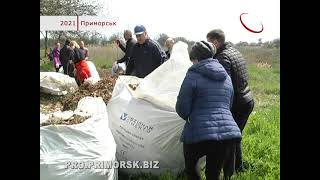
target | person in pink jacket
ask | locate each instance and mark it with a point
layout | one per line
(56, 59)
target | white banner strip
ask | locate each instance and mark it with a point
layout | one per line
(77, 23)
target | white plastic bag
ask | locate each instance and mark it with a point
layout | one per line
(43, 118)
(90, 140)
(118, 67)
(61, 69)
(94, 74)
(57, 83)
(59, 115)
(91, 106)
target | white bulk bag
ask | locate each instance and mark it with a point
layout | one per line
(90, 140)
(144, 122)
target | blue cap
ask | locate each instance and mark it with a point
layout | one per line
(139, 29)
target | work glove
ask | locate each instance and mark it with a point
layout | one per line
(114, 69)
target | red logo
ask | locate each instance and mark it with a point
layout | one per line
(249, 29)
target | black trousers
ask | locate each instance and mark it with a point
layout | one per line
(234, 161)
(68, 69)
(215, 152)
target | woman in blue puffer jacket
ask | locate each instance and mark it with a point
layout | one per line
(204, 102)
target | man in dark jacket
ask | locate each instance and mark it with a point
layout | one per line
(130, 42)
(204, 102)
(243, 103)
(146, 56)
(66, 58)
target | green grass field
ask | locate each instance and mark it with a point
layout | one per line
(102, 57)
(261, 137)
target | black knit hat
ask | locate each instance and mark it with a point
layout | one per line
(202, 50)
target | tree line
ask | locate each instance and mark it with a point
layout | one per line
(82, 7)
(97, 39)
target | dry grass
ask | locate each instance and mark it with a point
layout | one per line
(104, 56)
(102, 89)
(75, 119)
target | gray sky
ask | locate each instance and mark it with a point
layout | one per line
(193, 19)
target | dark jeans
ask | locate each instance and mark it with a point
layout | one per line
(68, 69)
(215, 152)
(234, 161)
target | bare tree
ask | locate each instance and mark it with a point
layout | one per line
(46, 42)
(242, 43)
(183, 39)
(67, 8)
(162, 38)
(276, 43)
(115, 36)
(259, 42)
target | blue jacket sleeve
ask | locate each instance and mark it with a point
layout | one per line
(185, 97)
